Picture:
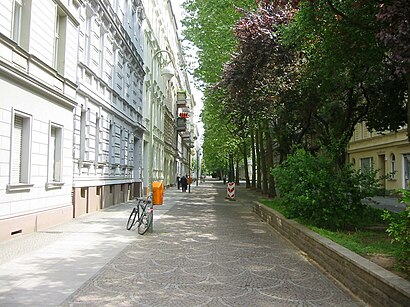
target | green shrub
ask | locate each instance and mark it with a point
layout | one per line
(399, 230)
(315, 189)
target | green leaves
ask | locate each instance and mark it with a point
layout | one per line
(399, 229)
(209, 25)
(312, 69)
(315, 191)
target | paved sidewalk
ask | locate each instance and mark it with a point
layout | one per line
(390, 203)
(44, 268)
(208, 251)
(204, 251)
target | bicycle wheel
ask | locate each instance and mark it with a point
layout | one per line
(131, 220)
(145, 220)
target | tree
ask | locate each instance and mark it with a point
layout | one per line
(219, 143)
(395, 33)
(208, 25)
(345, 74)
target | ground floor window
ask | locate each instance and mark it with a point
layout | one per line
(20, 149)
(366, 164)
(55, 153)
(406, 165)
(393, 166)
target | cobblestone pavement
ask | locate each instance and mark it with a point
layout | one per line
(208, 251)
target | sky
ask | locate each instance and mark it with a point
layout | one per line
(178, 11)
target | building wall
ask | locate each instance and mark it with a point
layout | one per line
(108, 123)
(77, 79)
(389, 154)
(162, 46)
(39, 196)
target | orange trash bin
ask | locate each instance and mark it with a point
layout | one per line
(157, 193)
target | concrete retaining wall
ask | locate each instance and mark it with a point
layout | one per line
(370, 282)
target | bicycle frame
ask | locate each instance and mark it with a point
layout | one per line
(142, 215)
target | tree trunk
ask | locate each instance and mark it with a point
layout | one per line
(245, 163)
(253, 159)
(258, 162)
(231, 176)
(237, 173)
(263, 163)
(269, 158)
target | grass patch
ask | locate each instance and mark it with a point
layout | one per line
(276, 204)
(370, 240)
(362, 242)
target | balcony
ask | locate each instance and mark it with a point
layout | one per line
(181, 124)
(181, 99)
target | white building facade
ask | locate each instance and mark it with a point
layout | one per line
(38, 60)
(108, 119)
(87, 119)
(163, 49)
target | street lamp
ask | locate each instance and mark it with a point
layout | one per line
(167, 72)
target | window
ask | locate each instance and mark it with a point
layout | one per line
(17, 20)
(59, 41)
(20, 31)
(83, 192)
(97, 139)
(406, 168)
(102, 51)
(20, 154)
(114, 69)
(122, 146)
(131, 145)
(85, 135)
(393, 166)
(366, 164)
(119, 73)
(126, 146)
(111, 144)
(87, 40)
(55, 155)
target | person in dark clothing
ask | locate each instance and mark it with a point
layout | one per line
(184, 183)
(179, 182)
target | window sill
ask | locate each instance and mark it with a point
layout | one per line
(54, 185)
(100, 164)
(19, 187)
(86, 163)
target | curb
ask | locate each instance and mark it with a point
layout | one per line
(370, 282)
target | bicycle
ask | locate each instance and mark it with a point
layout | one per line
(141, 215)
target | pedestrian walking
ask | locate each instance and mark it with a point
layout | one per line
(189, 179)
(184, 183)
(178, 182)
